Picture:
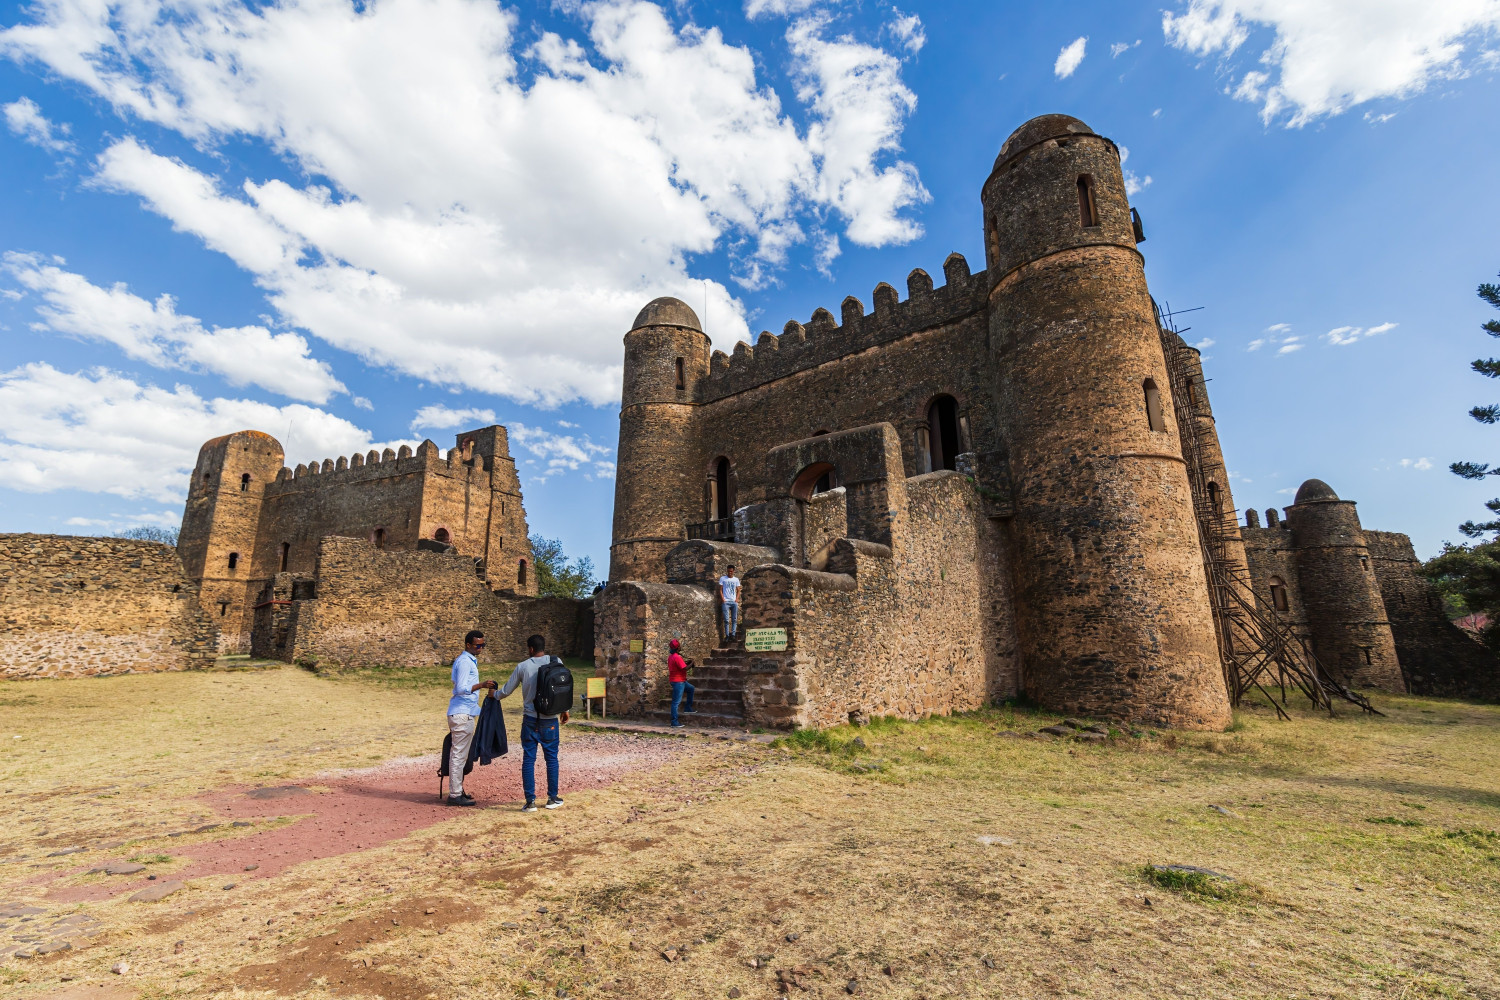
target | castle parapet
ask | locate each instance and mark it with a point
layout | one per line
(824, 338)
(363, 468)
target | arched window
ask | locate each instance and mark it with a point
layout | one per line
(521, 574)
(234, 560)
(942, 433)
(1086, 212)
(1214, 498)
(718, 491)
(1278, 593)
(1154, 417)
(681, 376)
(286, 555)
(378, 538)
(441, 535)
(466, 450)
(244, 482)
(1364, 563)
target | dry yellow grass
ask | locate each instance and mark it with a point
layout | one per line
(969, 864)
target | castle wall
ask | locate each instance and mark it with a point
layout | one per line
(1269, 553)
(1437, 657)
(886, 366)
(904, 633)
(377, 607)
(76, 607)
(651, 614)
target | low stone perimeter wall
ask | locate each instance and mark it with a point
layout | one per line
(74, 606)
(368, 607)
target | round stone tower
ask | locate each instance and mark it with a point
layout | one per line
(1112, 607)
(1350, 631)
(656, 491)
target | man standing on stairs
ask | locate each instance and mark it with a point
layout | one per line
(729, 594)
(677, 669)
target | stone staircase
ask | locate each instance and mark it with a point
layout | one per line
(719, 700)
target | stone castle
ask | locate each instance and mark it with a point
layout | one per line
(1004, 486)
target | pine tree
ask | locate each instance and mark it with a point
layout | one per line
(1489, 368)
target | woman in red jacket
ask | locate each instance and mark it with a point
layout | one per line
(677, 669)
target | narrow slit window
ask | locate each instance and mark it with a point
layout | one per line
(379, 538)
(1364, 563)
(521, 574)
(286, 555)
(1278, 593)
(234, 560)
(681, 376)
(244, 482)
(1214, 499)
(1086, 213)
(1367, 654)
(1154, 417)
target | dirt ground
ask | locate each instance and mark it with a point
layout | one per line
(294, 819)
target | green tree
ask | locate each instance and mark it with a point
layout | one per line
(1489, 368)
(1468, 577)
(555, 576)
(149, 533)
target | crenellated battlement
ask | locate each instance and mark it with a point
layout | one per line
(824, 338)
(427, 457)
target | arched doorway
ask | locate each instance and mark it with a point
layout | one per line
(441, 535)
(817, 478)
(942, 433)
(718, 491)
(521, 574)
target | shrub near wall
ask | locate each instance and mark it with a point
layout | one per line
(73, 606)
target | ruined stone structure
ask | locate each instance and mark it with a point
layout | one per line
(77, 607)
(1358, 600)
(375, 559)
(977, 491)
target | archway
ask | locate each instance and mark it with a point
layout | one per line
(820, 477)
(942, 433)
(441, 535)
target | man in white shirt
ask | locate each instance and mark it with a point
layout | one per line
(463, 713)
(729, 596)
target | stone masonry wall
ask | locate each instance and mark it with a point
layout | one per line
(73, 606)
(652, 614)
(405, 609)
(907, 632)
(1437, 657)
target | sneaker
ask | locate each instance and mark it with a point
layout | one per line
(678, 725)
(530, 806)
(689, 710)
(554, 803)
(454, 800)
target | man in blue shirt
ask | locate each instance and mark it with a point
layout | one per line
(463, 713)
(536, 730)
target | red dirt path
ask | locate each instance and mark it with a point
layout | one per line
(373, 806)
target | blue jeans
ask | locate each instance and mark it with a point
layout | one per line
(679, 688)
(536, 731)
(731, 611)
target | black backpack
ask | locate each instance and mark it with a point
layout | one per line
(554, 688)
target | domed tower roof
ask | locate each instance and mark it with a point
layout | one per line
(1314, 490)
(667, 311)
(1039, 129)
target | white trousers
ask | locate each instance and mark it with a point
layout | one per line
(462, 728)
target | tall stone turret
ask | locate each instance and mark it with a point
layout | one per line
(1350, 630)
(666, 360)
(1112, 608)
(219, 525)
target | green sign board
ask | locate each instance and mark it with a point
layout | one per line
(765, 640)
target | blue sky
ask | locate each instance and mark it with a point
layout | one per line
(348, 225)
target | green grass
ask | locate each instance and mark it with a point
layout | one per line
(1192, 883)
(1393, 821)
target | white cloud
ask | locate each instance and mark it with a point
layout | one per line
(26, 120)
(102, 432)
(1156, 113)
(1205, 343)
(362, 403)
(119, 522)
(441, 418)
(156, 333)
(1327, 56)
(1119, 48)
(461, 225)
(907, 29)
(1278, 336)
(1133, 185)
(779, 8)
(1342, 336)
(1069, 58)
(562, 452)
(1419, 464)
